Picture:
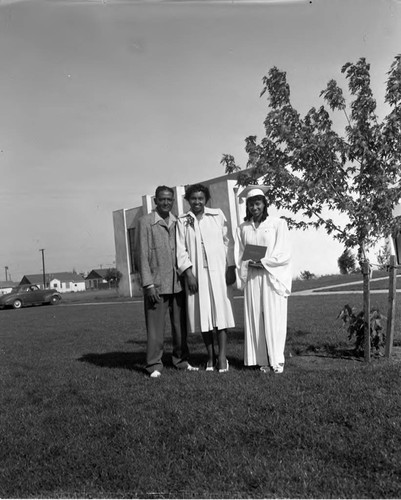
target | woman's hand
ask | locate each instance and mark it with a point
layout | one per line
(230, 275)
(191, 280)
(255, 265)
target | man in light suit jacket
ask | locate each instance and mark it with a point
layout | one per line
(156, 263)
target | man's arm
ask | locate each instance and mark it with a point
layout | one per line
(143, 251)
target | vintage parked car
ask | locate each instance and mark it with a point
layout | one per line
(29, 295)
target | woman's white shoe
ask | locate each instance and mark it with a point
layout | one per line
(224, 370)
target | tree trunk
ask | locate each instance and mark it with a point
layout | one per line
(366, 308)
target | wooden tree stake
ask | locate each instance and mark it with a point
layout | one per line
(392, 292)
(366, 308)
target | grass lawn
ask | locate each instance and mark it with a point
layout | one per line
(94, 296)
(78, 417)
(382, 284)
(343, 279)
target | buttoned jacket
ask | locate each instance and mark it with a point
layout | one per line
(156, 255)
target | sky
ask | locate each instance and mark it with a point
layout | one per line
(103, 100)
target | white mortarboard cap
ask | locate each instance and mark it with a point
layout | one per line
(251, 191)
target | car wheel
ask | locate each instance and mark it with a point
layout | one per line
(54, 300)
(17, 304)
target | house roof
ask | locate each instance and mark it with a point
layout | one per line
(63, 277)
(97, 274)
(8, 284)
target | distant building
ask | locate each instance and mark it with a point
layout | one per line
(223, 191)
(63, 282)
(96, 279)
(6, 286)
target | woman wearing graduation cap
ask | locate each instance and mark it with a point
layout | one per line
(262, 254)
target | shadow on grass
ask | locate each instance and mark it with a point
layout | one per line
(298, 345)
(136, 361)
(329, 352)
(127, 360)
(299, 333)
(342, 352)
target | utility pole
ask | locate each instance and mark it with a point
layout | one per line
(6, 269)
(43, 266)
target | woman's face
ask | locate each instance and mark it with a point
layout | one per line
(197, 202)
(256, 207)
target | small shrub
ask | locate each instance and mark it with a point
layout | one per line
(383, 257)
(307, 275)
(346, 262)
(354, 324)
(113, 277)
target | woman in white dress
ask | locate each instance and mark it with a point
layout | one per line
(205, 257)
(265, 277)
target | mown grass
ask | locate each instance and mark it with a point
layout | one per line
(78, 417)
(381, 284)
(112, 294)
(341, 279)
(104, 295)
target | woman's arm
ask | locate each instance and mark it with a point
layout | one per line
(228, 241)
(281, 252)
(278, 261)
(183, 260)
(184, 264)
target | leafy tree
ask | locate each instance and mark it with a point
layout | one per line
(310, 168)
(346, 262)
(113, 277)
(383, 257)
(306, 275)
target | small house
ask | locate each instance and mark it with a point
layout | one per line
(6, 286)
(96, 279)
(63, 282)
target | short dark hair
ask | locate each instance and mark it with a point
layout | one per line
(258, 197)
(160, 189)
(196, 188)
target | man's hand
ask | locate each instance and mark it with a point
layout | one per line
(152, 295)
(191, 280)
(230, 275)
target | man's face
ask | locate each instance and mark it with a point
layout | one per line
(164, 202)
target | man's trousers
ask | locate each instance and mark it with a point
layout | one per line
(155, 316)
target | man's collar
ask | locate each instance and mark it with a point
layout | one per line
(158, 218)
